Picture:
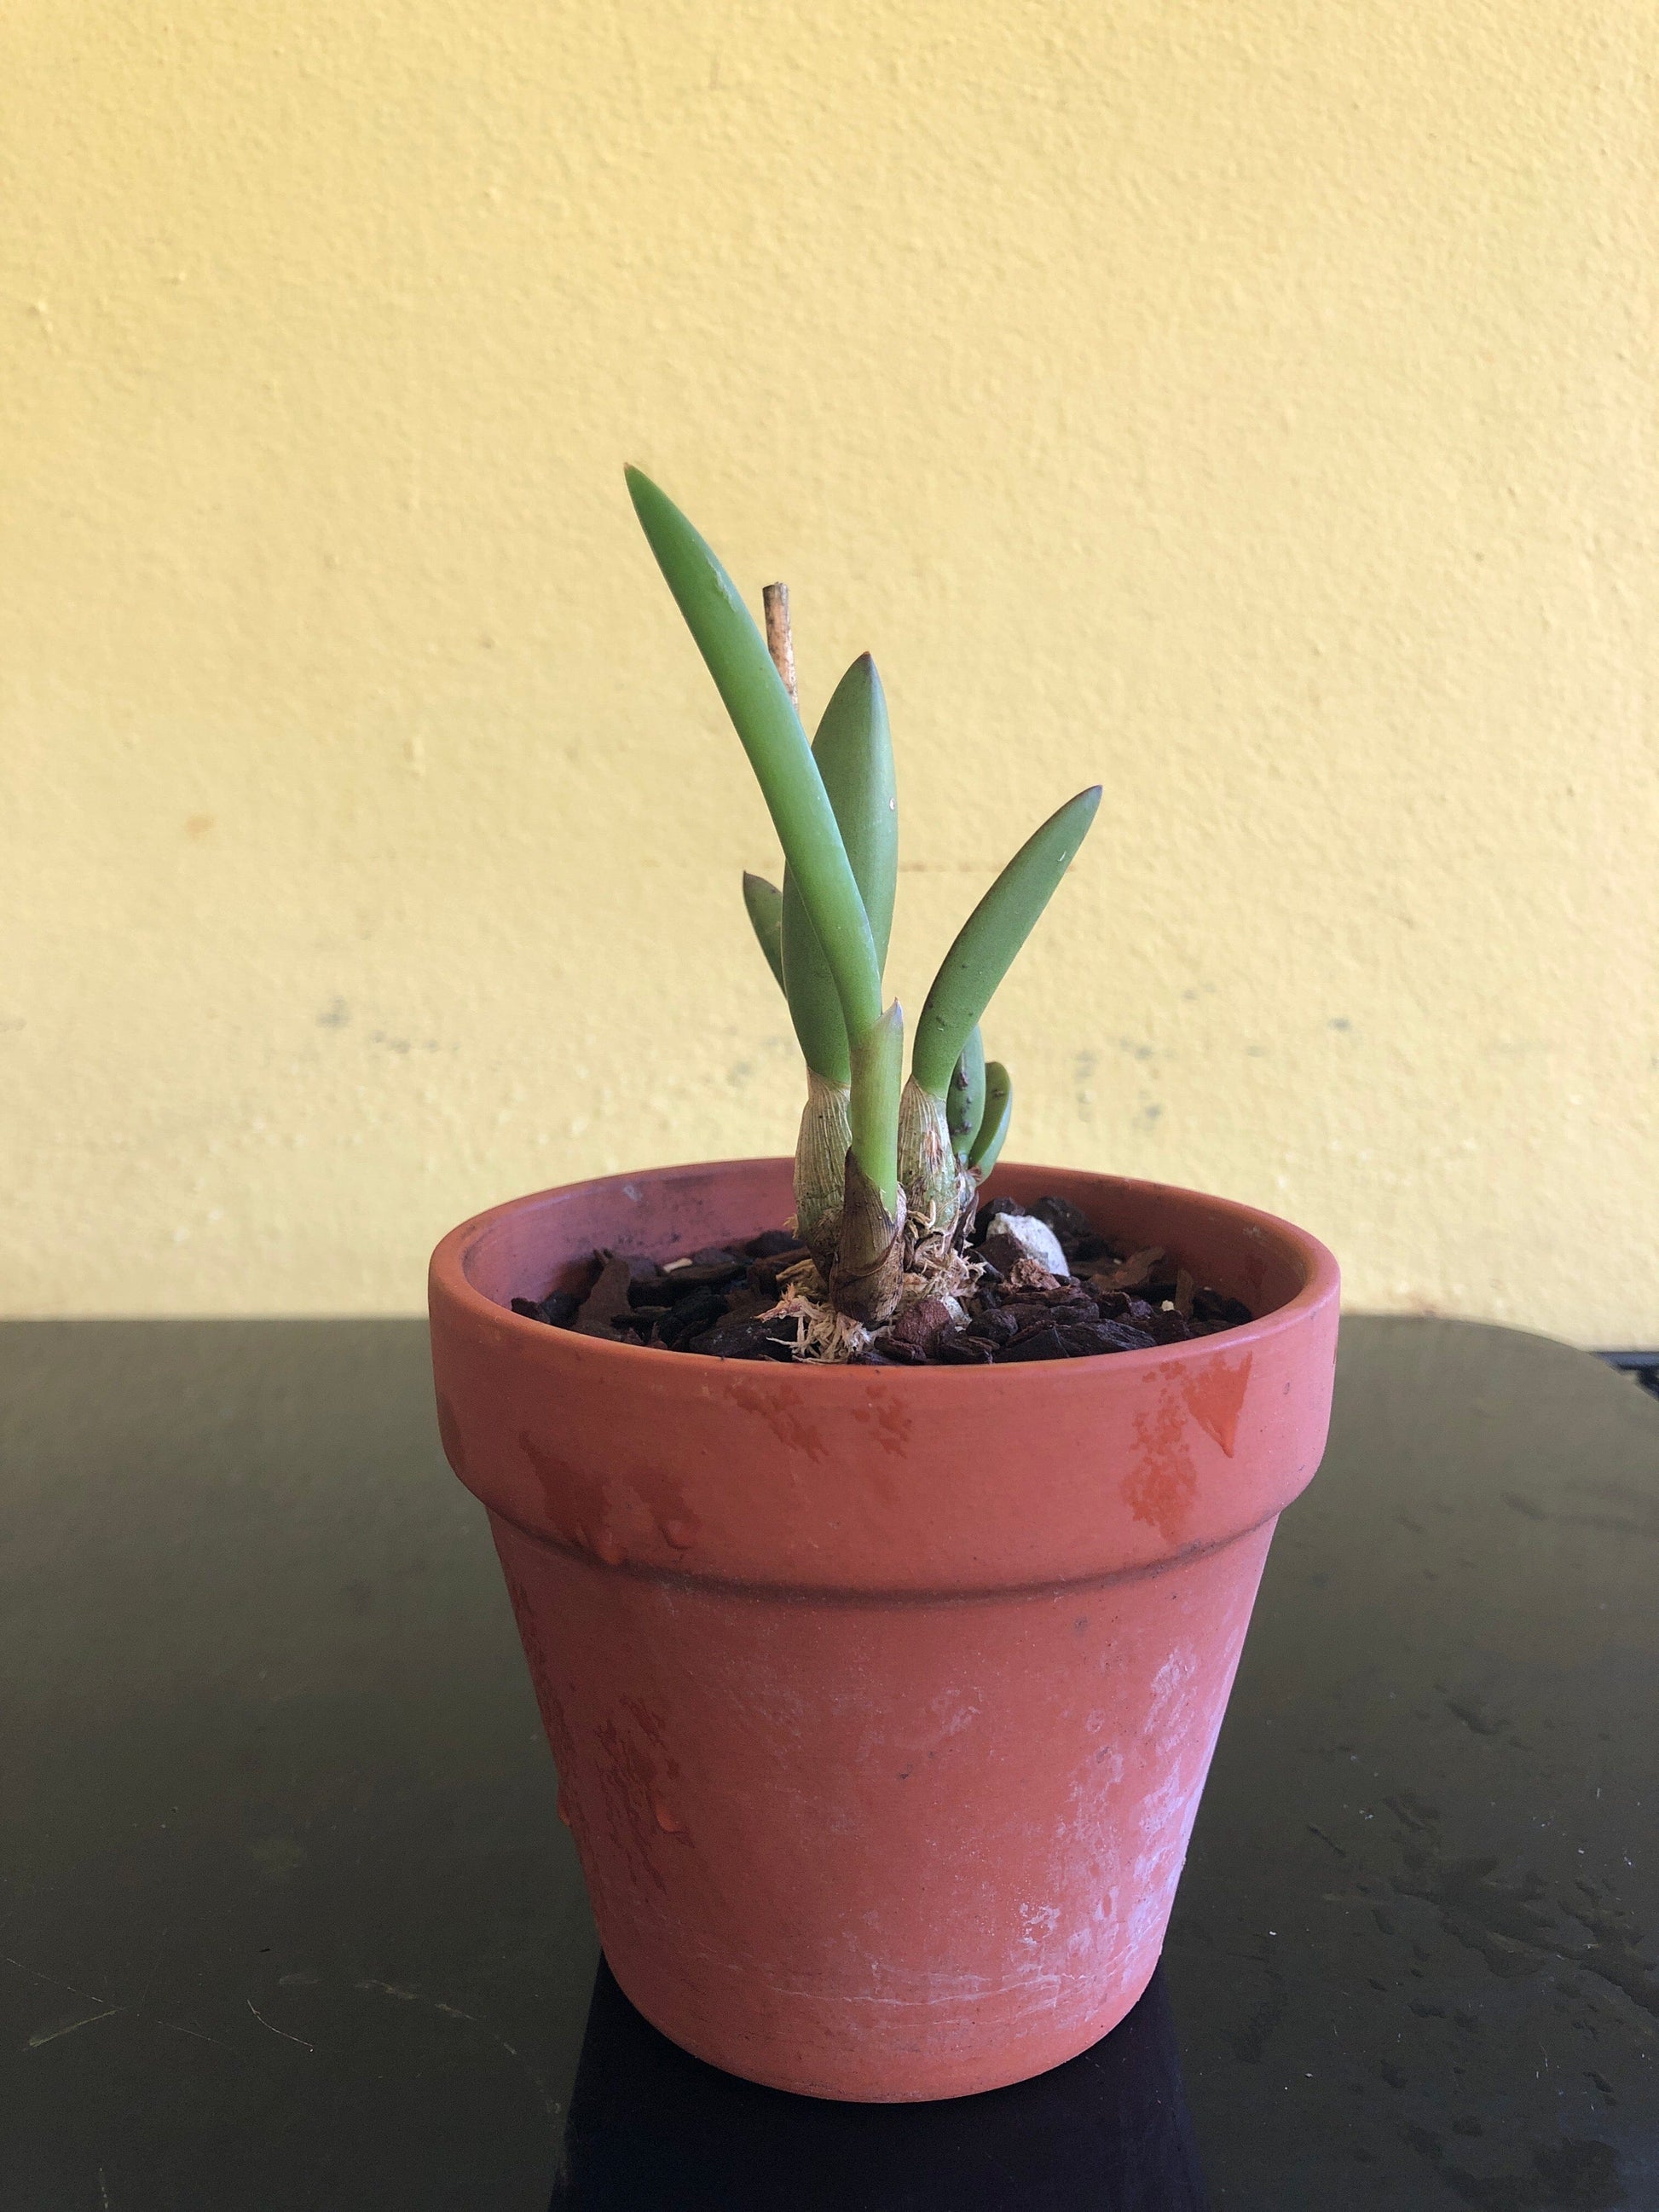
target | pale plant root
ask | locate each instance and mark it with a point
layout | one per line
(937, 1268)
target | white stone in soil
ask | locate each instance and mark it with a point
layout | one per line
(1013, 1236)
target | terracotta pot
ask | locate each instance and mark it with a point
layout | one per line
(881, 1698)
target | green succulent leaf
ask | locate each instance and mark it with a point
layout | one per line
(764, 903)
(965, 1102)
(993, 1127)
(877, 1079)
(853, 751)
(769, 729)
(989, 939)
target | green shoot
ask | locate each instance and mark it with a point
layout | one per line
(885, 1170)
(764, 903)
(770, 732)
(878, 1073)
(854, 751)
(989, 939)
(965, 1103)
(993, 1127)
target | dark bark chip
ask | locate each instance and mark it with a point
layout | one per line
(1118, 1300)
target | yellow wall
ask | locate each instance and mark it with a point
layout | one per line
(1250, 405)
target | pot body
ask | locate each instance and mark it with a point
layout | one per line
(881, 1699)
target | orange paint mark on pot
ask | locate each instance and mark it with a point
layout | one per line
(650, 1724)
(559, 1480)
(892, 1425)
(1215, 1398)
(1164, 1484)
(628, 1786)
(794, 1429)
(550, 1470)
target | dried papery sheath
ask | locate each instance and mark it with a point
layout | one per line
(821, 1150)
(868, 1271)
(934, 1185)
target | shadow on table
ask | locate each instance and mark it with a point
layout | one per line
(651, 2127)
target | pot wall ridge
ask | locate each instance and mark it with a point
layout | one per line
(876, 1481)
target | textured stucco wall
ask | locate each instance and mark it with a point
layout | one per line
(1252, 407)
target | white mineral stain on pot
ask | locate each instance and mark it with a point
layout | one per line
(1154, 1879)
(1038, 1921)
(949, 1718)
(1164, 1803)
(1171, 1677)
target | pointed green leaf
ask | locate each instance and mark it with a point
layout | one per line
(999, 1112)
(991, 936)
(764, 903)
(772, 736)
(965, 1102)
(853, 751)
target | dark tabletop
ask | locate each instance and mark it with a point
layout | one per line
(287, 1920)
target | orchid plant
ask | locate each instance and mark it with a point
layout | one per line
(886, 1168)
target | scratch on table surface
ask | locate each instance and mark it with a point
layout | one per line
(274, 2030)
(549, 2105)
(178, 2028)
(57, 1981)
(419, 1997)
(50, 2035)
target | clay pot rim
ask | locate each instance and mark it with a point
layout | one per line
(1321, 1284)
